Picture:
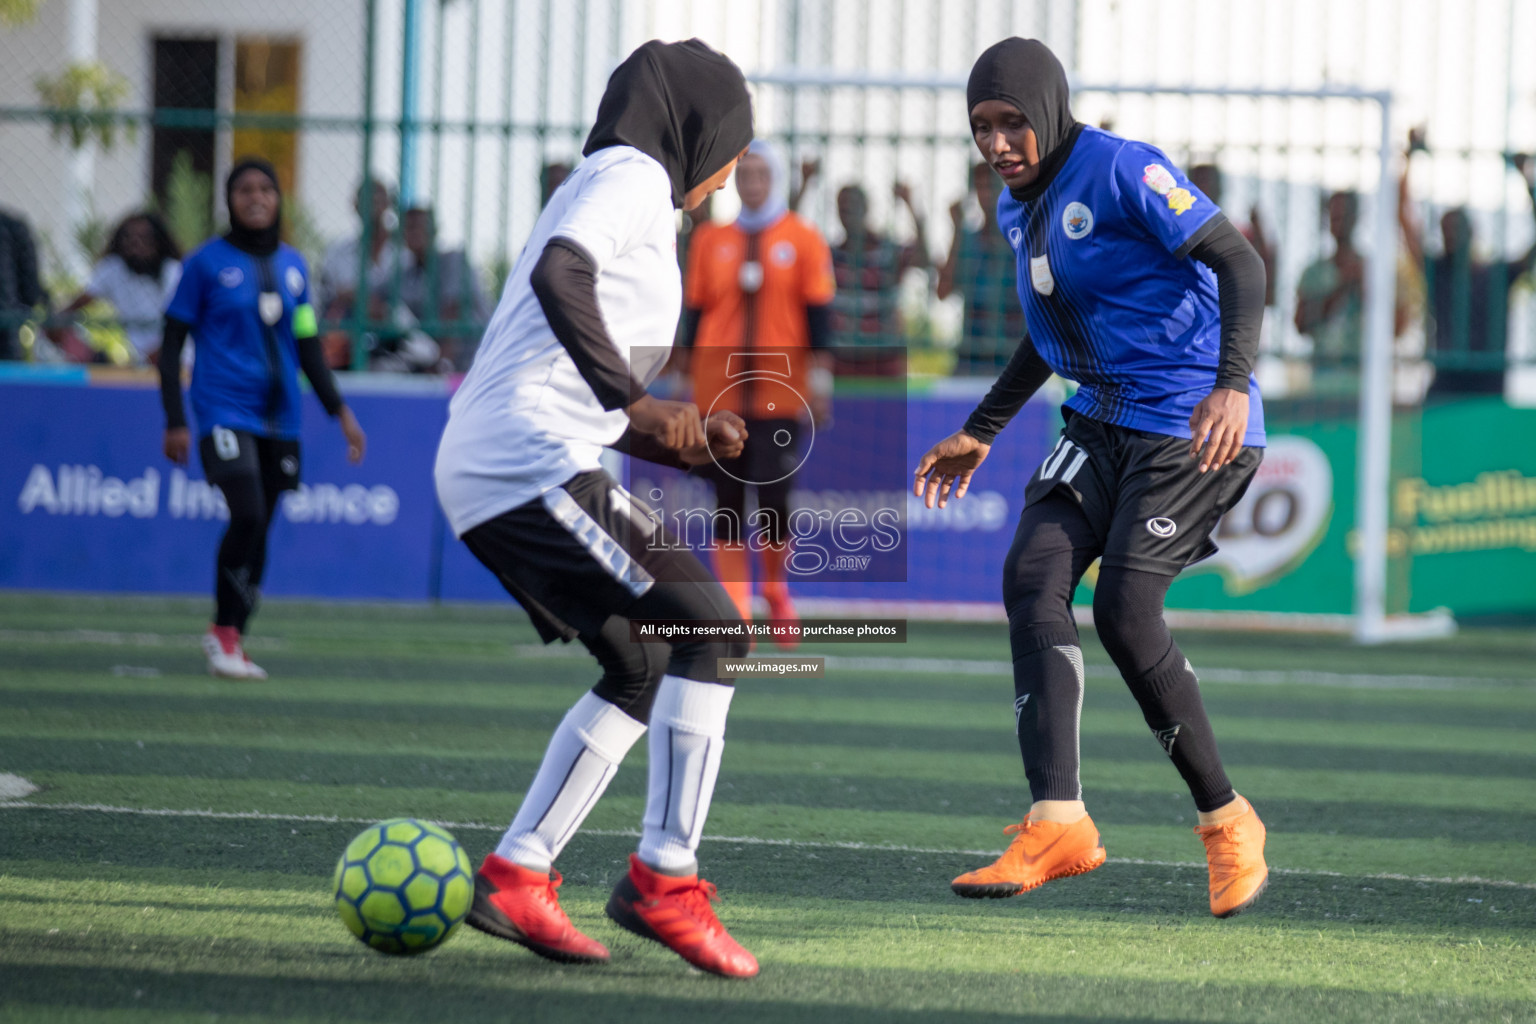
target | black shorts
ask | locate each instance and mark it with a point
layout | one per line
(1150, 507)
(587, 551)
(232, 454)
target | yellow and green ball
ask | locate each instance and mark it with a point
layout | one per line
(403, 886)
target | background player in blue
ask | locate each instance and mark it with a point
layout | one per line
(1136, 287)
(245, 299)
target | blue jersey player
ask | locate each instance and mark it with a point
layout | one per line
(245, 298)
(1138, 289)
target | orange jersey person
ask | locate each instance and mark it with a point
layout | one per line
(758, 299)
(751, 294)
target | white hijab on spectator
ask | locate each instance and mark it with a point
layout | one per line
(776, 205)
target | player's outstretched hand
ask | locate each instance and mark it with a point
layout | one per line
(727, 433)
(1217, 427)
(946, 470)
(675, 424)
(357, 441)
(178, 445)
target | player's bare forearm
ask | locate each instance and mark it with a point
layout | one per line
(1217, 428)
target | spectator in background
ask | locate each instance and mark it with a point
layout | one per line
(981, 267)
(438, 286)
(1468, 297)
(339, 267)
(1330, 303)
(21, 289)
(551, 177)
(1208, 179)
(762, 285)
(866, 315)
(137, 275)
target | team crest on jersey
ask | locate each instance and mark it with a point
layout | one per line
(1077, 221)
(230, 277)
(782, 254)
(295, 282)
(1015, 237)
(1158, 178)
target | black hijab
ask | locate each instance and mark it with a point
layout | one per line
(262, 242)
(682, 104)
(1025, 74)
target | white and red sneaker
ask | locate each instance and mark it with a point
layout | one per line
(226, 658)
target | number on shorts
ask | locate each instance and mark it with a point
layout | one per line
(226, 444)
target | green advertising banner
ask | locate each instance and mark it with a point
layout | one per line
(1463, 519)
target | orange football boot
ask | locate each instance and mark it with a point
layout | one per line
(1235, 852)
(519, 904)
(1040, 851)
(675, 912)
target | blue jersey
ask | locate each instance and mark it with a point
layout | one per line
(1110, 298)
(241, 309)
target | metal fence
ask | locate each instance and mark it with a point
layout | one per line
(466, 111)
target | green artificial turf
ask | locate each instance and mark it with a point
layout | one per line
(1398, 786)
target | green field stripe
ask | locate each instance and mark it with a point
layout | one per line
(503, 762)
(857, 722)
(512, 682)
(1315, 848)
(955, 941)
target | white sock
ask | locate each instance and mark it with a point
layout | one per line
(583, 755)
(687, 740)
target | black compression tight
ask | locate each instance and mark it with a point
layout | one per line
(1128, 613)
(1052, 549)
(243, 551)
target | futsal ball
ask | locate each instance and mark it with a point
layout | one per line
(403, 886)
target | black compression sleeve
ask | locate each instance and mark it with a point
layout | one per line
(1240, 292)
(172, 338)
(312, 362)
(565, 283)
(1022, 377)
(818, 325)
(644, 446)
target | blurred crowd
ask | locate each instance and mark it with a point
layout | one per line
(392, 298)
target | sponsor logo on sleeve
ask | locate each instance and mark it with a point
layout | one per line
(1162, 526)
(1158, 178)
(1179, 200)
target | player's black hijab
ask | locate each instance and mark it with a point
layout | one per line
(682, 104)
(1025, 74)
(257, 242)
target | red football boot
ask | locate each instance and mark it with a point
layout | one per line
(675, 912)
(520, 904)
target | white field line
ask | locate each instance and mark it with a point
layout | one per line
(471, 826)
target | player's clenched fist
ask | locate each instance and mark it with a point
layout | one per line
(946, 470)
(727, 436)
(675, 424)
